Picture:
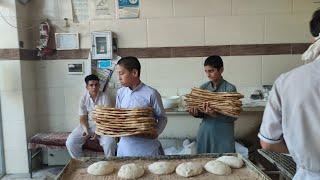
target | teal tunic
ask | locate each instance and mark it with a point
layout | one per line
(216, 134)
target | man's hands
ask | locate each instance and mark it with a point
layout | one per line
(205, 108)
(87, 135)
(193, 111)
(209, 110)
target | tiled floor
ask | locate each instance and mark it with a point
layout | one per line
(46, 173)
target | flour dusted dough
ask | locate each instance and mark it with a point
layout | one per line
(232, 161)
(130, 171)
(218, 168)
(189, 169)
(100, 168)
(161, 167)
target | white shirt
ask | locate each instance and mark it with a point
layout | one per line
(141, 97)
(293, 113)
(87, 104)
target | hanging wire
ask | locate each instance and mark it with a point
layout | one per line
(11, 25)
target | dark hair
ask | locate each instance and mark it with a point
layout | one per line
(315, 23)
(91, 77)
(130, 63)
(214, 61)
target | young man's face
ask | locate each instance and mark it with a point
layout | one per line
(125, 76)
(213, 73)
(93, 86)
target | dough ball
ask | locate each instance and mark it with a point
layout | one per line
(189, 169)
(130, 171)
(232, 161)
(162, 167)
(100, 168)
(218, 168)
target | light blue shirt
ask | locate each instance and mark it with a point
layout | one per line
(141, 97)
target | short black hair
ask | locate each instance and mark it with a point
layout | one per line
(214, 61)
(130, 63)
(315, 23)
(91, 77)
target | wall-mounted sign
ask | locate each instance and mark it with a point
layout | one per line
(128, 9)
(75, 68)
(102, 47)
(104, 64)
(67, 41)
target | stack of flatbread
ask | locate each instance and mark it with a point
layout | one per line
(124, 122)
(227, 103)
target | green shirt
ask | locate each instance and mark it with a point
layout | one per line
(216, 134)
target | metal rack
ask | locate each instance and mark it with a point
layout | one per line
(284, 163)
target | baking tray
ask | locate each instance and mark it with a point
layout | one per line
(77, 169)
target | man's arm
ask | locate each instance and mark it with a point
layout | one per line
(84, 124)
(159, 111)
(83, 113)
(280, 147)
(271, 132)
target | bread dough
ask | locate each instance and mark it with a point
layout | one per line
(130, 171)
(100, 168)
(218, 168)
(189, 169)
(232, 161)
(162, 167)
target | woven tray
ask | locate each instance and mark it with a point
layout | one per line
(77, 169)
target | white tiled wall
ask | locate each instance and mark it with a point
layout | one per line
(13, 117)
(176, 32)
(174, 72)
(201, 7)
(273, 66)
(288, 28)
(156, 8)
(162, 23)
(190, 22)
(174, 23)
(262, 6)
(243, 70)
(234, 30)
(131, 33)
(8, 25)
(303, 6)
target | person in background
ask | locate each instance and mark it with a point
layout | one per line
(86, 129)
(291, 120)
(135, 94)
(216, 131)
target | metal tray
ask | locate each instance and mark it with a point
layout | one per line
(77, 169)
